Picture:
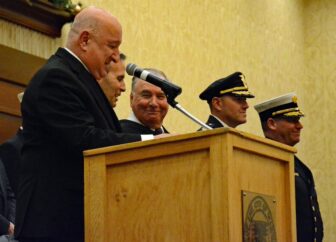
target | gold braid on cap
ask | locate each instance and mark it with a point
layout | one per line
(289, 112)
(233, 90)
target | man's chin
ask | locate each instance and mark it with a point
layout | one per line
(242, 121)
(295, 141)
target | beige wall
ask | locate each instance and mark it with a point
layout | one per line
(280, 46)
(318, 146)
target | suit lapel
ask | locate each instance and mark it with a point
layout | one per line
(101, 100)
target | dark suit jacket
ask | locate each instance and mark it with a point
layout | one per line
(307, 218)
(10, 153)
(7, 202)
(64, 112)
(129, 126)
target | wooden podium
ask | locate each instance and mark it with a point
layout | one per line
(202, 186)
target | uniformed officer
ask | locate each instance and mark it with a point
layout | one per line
(280, 120)
(227, 101)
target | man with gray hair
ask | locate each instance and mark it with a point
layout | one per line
(149, 107)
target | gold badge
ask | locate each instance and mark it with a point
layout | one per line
(242, 78)
(294, 99)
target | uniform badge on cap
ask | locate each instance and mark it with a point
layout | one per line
(285, 105)
(233, 84)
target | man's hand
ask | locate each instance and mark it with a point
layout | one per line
(11, 228)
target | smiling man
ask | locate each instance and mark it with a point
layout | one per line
(280, 121)
(149, 107)
(113, 84)
(227, 101)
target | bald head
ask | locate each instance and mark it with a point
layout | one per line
(94, 37)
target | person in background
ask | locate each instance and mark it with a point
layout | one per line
(280, 121)
(7, 205)
(10, 153)
(227, 101)
(113, 84)
(149, 107)
(65, 112)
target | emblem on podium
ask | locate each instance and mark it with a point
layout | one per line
(258, 217)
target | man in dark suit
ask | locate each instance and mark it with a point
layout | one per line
(65, 112)
(7, 204)
(149, 107)
(10, 153)
(227, 101)
(280, 121)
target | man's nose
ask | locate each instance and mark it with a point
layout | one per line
(299, 125)
(245, 105)
(122, 86)
(115, 56)
(153, 101)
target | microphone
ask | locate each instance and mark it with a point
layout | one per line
(171, 90)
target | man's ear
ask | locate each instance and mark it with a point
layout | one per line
(131, 98)
(271, 123)
(215, 102)
(84, 39)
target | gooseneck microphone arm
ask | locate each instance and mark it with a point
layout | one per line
(171, 90)
(196, 120)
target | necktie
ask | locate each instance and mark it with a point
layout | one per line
(158, 131)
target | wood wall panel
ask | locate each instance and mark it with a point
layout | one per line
(18, 66)
(16, 69)
(9, 103)
(8, 126)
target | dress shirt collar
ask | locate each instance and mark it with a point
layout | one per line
(74, 55)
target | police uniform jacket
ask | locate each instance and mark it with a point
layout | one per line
(308, 217)
(213, 122)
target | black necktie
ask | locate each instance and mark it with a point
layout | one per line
(158, 131)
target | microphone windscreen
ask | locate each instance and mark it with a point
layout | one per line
(130, 69)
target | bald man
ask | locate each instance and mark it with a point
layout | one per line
(65, 112)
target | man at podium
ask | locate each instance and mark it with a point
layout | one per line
(280, 121)
(65, 112)
(227, 101)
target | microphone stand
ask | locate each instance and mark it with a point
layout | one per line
(175, 104)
